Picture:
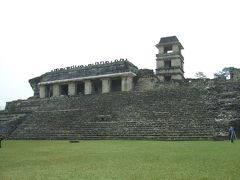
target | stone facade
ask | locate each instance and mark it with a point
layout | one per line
(100, 77)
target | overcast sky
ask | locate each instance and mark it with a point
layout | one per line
(38, 36)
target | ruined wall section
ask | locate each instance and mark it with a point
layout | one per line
(145, 80)
(235, 75)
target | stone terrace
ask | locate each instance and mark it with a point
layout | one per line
(178, 113)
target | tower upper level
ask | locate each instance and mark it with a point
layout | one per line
(169, 59)
(169, 44)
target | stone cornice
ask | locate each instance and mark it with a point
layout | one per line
(169, 56)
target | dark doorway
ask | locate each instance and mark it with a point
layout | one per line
(116, 84)
(167, 64)
(97, 86)
(167, 78)
(49, 91)
(80, 88)
(64, 90)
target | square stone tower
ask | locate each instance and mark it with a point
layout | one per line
(169, 59)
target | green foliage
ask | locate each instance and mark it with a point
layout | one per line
(225, 73)
(220, 75)
(119, 160)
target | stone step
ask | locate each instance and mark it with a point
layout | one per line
(158, 113)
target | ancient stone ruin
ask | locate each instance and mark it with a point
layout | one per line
(116, 100)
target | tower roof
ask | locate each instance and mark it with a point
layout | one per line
(169, 41)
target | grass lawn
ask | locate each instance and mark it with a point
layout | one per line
(120, 160)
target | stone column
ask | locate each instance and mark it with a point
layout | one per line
(161, 50)
(56, 90)
(175, 48)
(42, 91)
(72, 89)
(106, 85)
(127, 83)
(124, 84)
(87, 87)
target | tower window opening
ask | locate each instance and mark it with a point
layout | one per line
(167, 78)
(168, 49)
(167, 64)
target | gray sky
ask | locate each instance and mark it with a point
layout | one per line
(38, 36)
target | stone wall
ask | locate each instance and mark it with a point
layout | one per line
(236, 75)
(145, 80)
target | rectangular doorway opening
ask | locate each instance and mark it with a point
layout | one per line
(49, 91)
(97, 86)
(116, 84)
(167, 64)
(64, 90)
(167, 78)
(80, 88)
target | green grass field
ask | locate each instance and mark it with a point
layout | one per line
(120, 160)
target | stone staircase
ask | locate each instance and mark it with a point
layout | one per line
(178, 113)
(9, 122)
(223, 98)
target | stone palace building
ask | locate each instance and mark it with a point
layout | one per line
(110, 76)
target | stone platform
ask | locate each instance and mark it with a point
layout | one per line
(167, 113)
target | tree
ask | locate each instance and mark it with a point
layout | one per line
(225, 73)
(200, 75)
(228, 71)
(220, 75)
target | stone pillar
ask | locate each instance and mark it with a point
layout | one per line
(124, 84)
(161, 50)
(127, 83)
(72, 89)
(42, 91)
(87, 87)
(175, 48)
(106, 85)
(56, 90)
